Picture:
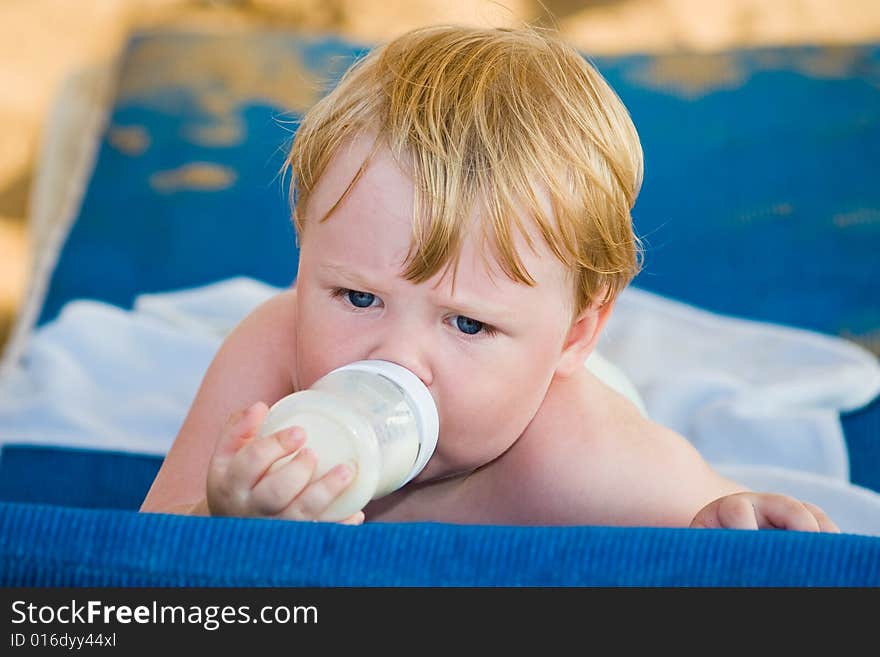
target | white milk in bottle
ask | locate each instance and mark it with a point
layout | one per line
(374, 415)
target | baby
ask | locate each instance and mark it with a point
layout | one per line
(462, 204)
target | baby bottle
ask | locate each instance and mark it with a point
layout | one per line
(374, 415)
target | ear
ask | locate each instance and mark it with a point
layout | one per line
(582, 338)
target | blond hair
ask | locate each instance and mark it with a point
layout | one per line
(483, 118)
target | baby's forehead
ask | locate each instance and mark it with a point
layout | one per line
(370, 193)
(364, 160)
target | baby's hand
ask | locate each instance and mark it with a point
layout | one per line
(763, 511)
(245, 477)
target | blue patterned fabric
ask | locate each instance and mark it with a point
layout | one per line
(760, 200)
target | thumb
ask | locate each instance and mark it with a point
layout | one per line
(240, 428)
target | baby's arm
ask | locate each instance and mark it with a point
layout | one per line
(216, 441)
(589, 457)
(250, 366)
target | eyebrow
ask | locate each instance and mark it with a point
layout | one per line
(469, 307)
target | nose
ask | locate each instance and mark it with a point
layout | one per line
(406, 345)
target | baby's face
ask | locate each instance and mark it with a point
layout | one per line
(487, 351)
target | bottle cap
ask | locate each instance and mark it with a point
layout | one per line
(425, 408)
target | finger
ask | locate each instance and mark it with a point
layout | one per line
(826, 524)
(706, 518)
(279, 487)
(257, 456)
(238, 429)
(315, 499)
(354, 519)
(783, 512)
(222, 496)
(736, 512)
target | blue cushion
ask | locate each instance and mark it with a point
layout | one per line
(45, 541)
(84, 478)
(60, 546)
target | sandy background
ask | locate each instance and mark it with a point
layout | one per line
(44, 41)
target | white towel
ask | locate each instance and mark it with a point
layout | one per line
(102, 377)
(761, 402)
(743, 392)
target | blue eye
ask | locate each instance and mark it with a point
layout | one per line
(468, 325)
(360, 299)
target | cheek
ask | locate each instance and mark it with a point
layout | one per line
(486, 407)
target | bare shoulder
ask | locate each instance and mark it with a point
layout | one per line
(254, 363)
(264, 337)
(591, 457)
(271, 323)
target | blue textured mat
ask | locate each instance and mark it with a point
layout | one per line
(58, 546)
(83, 478)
